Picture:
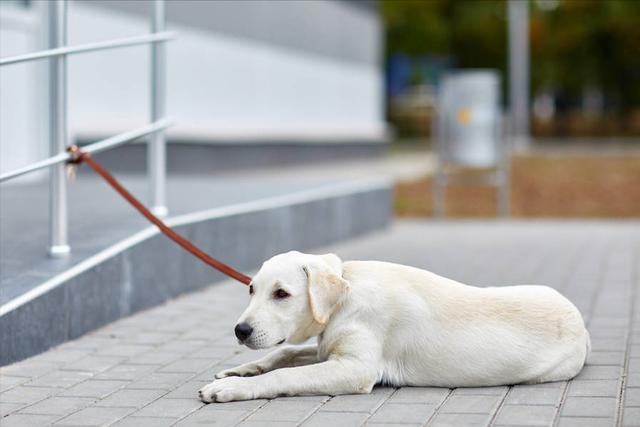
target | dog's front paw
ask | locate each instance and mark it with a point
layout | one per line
(227, 390)
(246, 370)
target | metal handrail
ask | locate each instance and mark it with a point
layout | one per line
(95, 147)
(91, 47)
(57, 55)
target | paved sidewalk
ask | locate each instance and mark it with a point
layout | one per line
(145, 370)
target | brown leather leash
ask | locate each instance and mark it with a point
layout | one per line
(79, 157)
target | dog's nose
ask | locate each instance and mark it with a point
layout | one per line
(243, 331)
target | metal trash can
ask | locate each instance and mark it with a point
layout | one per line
(469, 131)
(469, 107)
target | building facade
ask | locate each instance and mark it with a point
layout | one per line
(240, 72)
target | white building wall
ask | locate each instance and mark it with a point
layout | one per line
(23, 126)
(220, 87)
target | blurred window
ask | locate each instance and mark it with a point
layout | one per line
(18, 3)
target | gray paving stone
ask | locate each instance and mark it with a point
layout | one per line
(403, 413)
(209, 375)
(595, 388)
(634, 365)
(215, 352)
(599, 373)
(95, 416)
(7, 382)
(130, 398)
(318, 398)
(335, 419)
(615, 358)
(383, 390)
(145, 422)
(630, 416)
(243, 405)
(284, 411)
(124, 350)
(528, 396)
(479, 391)
(393, 424)
(610, 332)
(589, 406)
(470, 404)
(150, 337)
(94, 388)
(632, 396)
(585, 422)
(181, 347)
(268, 424)
(241, 357)
(63, 356)
(188, 365)
(154, 357)
(188, 390)
(354, 403)
(170, 408)
(58, 405)
(6, 408)
(607, 344)
(219, 418)
(23, 420)
(23, 394)
(126, 372)
(433, 395)
(160, 380)
(91, 343)
(458, 420)
(62, 379)
(633, 379)
(94, 363)
(525, 415)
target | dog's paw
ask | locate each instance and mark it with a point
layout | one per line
(246, 370)
(227, 390)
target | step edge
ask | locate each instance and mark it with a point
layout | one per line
(299, 197)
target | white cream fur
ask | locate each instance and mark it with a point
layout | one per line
(398, 325)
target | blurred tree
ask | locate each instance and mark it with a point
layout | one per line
(473, 32)
(575, 44)
(587, 43)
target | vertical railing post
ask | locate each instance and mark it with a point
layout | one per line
(58, 243)
(156, 153)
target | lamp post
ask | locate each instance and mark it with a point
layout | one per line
(519, 72)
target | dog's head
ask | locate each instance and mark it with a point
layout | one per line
(292, 297)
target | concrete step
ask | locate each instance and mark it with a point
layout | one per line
(120, 265)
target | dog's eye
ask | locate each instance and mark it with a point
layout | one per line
(280, 294)
(250, 289)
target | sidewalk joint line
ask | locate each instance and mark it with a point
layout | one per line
(497, 410)
(436, 410)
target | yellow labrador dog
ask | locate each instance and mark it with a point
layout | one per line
(378, 322)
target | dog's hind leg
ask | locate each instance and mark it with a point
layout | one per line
(281, 358)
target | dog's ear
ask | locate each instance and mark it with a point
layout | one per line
(326, 286)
